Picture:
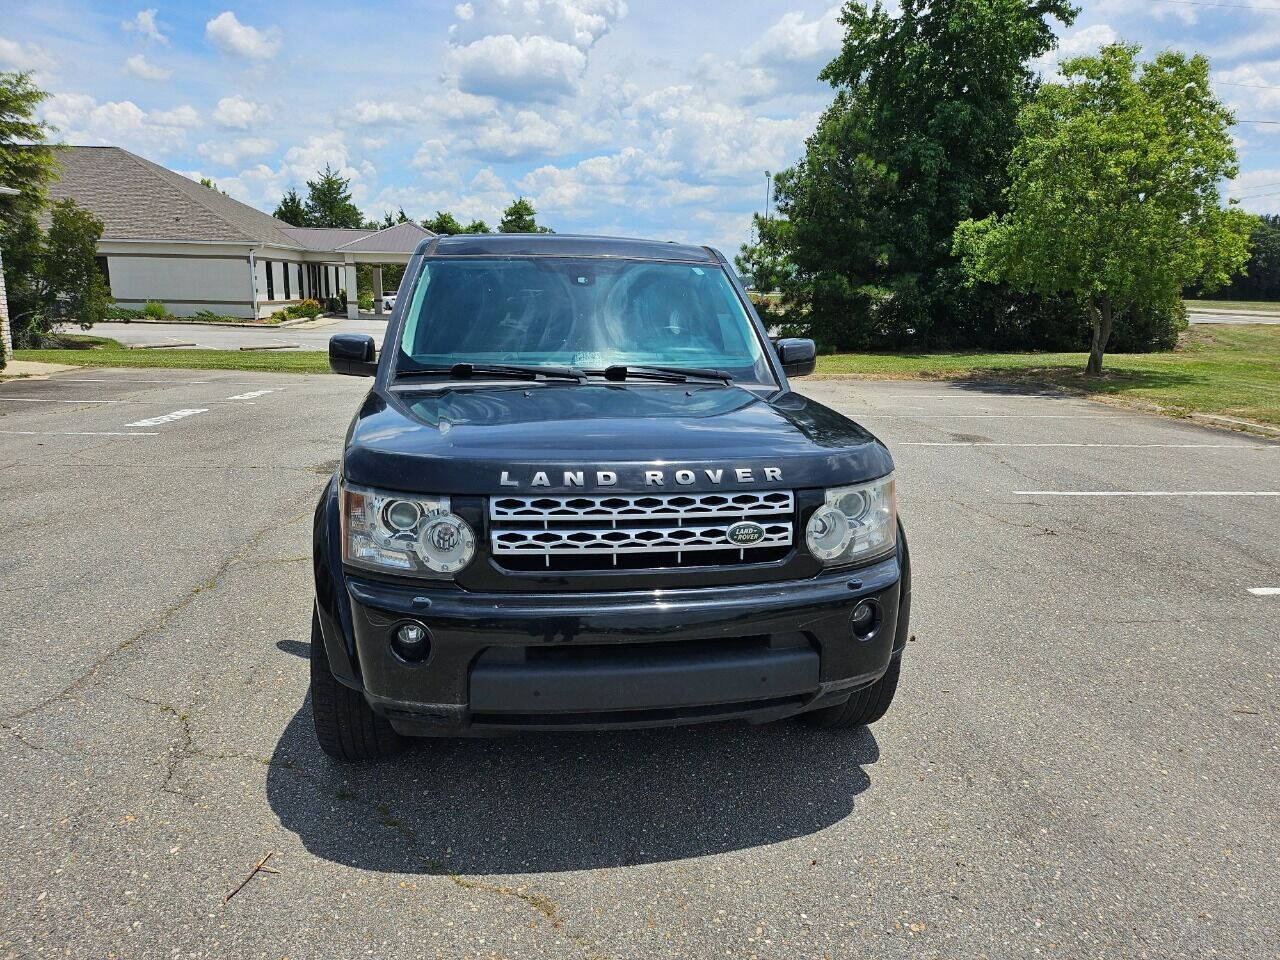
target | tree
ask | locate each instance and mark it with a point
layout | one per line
(1261, 277)
(1113, 195)
(27, 165)
(64, 283)
(443, 223)
(27, 162)
(917, 139)
(446, 224)
(329, 201)
(291, 210)
(520, 218)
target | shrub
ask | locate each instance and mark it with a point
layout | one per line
(305, 308)
(155, 310)
(336, 305)
(366, 303)
(123, 314)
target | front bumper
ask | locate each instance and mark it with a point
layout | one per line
(502, 661)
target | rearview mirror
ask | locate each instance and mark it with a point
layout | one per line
(799, 357)
(353, 354)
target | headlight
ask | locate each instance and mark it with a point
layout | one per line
(854, 522)
(403, 533)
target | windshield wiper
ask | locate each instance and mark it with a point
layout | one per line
(620, 372)
(464, 371)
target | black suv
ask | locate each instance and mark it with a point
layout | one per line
(581, 495)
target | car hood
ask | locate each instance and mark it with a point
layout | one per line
(565, 437)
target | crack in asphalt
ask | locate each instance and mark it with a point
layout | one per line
(156, 626)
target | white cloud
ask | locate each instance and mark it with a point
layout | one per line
(486, 180)
(1250, 86)
(139, 66)
(237, 113)
(517, 69)
(1258, 190)
(81, 119)
(1075, 43)
(18, 56)
(183, 116)
(579, 23)
(233, 153)
(229, 35)
(792, 39)
(389, 113)
(523, 134)
(144, 24)
(523, 50)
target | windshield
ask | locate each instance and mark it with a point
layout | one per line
(587, 313)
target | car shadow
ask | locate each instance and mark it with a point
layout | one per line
(567, 801)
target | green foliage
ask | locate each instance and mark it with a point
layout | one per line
(304, 308)
(291, 210)
(206, 182)
(154, 310)
(329, 201)
(366, 302)
(916, 140)
(443, 223)
(1261, 277)
(336, 304)
(446, 224)
(1113, 195)
(27, 162)
(57, 278)
(123, 314)
(520, 217)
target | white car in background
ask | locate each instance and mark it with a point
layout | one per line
(388, 302)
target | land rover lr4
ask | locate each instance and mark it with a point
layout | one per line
(581, 495)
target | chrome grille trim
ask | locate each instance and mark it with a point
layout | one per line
(648, 506)
(614, 524)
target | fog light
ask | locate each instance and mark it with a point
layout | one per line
(412, 641)
(865, 619)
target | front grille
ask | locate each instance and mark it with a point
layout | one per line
(639, 531)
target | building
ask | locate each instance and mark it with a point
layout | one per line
(169, 239)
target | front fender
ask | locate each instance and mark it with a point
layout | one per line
(333, 605)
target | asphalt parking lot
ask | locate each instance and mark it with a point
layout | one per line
(1082, 759)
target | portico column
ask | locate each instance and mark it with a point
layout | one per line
(6, 338)
(377, 289)
(353, 295)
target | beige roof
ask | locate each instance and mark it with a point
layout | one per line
(139, 200)
(400, 238)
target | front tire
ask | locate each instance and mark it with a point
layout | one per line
(346, 726)
(863, 707)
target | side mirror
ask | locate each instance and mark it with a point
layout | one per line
(799, 357)
(353, 354)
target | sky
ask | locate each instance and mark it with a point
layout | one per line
(650, 118)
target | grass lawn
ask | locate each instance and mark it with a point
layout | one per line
(1233, 370)
(1229, 370)
(87, 351)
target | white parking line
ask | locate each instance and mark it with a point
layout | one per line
(251, 394)
(160, 401)
(78, 433)
(1125, 446)
(1265, 591)
(1005, 416)
(167, 418)
(1146, 493)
